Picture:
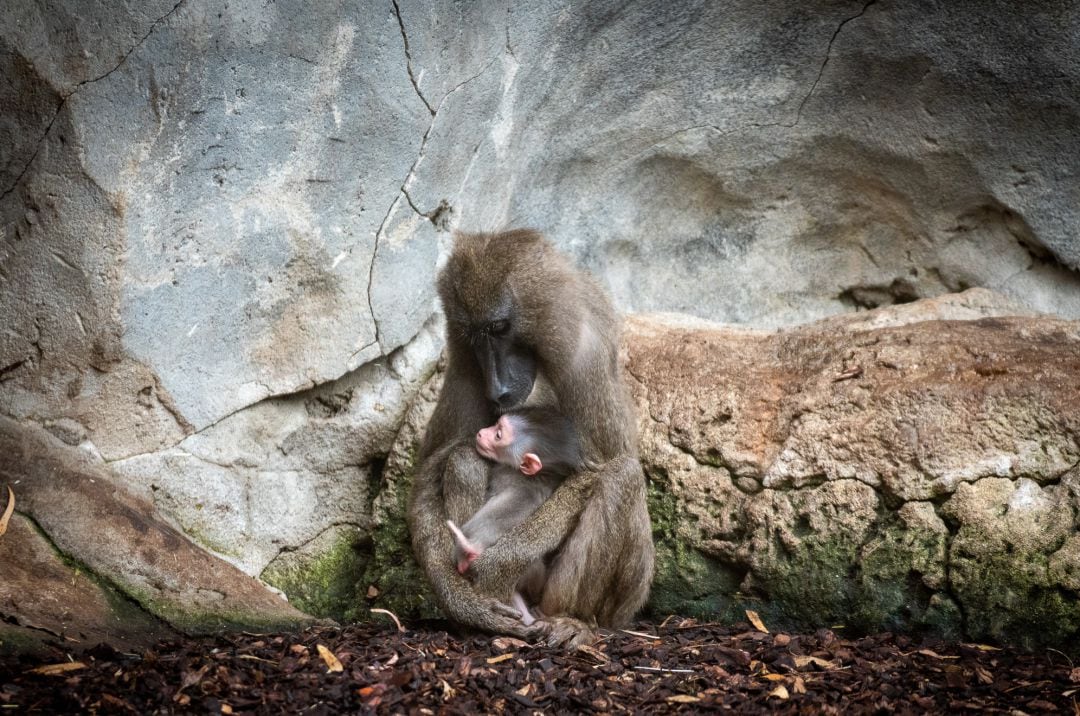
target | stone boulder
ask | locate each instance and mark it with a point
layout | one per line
(71, 514)
(876, 474)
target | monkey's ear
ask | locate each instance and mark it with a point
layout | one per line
(530, 463)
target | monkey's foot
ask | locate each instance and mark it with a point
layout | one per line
(569, 632)
(519, 603)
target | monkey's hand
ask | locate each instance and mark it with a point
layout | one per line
(491, 615)
(498, 569)
(569, 632)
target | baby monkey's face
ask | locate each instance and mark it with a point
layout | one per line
(494, 442)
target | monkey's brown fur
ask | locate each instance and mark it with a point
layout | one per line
(596, 523)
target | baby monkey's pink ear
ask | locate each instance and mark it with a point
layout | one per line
(530, 463)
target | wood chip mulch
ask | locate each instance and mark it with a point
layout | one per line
(680, 666)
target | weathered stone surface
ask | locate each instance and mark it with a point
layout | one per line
(45, 599)
(219, 218)
(241, 202)
(914, 475)
(324, 577)
(116, 534)
(274, 477)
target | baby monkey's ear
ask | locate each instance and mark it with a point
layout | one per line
(530, 464)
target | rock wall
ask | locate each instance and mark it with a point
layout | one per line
(220, 221)
(916, 476)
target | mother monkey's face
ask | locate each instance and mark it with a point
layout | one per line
(505, 358)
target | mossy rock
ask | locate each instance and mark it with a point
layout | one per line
(325, 578)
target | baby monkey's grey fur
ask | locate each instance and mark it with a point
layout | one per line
(534, 449)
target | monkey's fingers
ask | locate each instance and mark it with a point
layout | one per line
(504, 610)
(569, 632)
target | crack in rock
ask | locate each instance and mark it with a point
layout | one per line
(408, 59)
(439, 212)
(765, 125)
(828, 55)
(63, 100)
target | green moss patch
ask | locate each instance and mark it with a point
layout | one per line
(326, 580)
(399, 583)
(687, 582)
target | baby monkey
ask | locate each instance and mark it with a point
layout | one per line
(534, 449)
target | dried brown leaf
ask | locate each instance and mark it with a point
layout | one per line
(780, 692)
(981, 647)
(58, 669)
(503, 643)
(1074, 675)
(372, 591)
(332, 662)
(803, 661)
(682, 699)
(799, 686)
(7, 511)
(934, 655)
(756, 620)
(501, 658)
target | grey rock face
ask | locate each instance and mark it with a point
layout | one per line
(220, 221)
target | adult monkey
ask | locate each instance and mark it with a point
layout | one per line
(524, 327)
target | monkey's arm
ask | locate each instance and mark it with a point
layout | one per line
(500, 566)
(451, 480)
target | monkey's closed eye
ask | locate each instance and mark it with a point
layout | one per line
(498, 328)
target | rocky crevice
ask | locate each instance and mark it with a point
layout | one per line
(65, 97)
(441, 214)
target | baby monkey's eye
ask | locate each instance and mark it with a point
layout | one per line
(498, 328)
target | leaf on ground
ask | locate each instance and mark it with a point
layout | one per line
(780, 692)
(332, 662)
(1074, 675)
(501, 658)
(7, 512)
(934, 655)
(802, 661)
(756, 620)
(504, 643)
(599, 656)
(58, 669)
(981, 647)
(682, 699)
(799, 686)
